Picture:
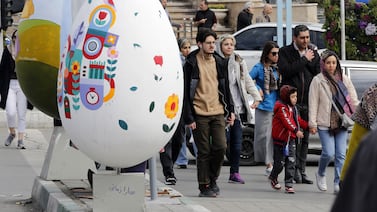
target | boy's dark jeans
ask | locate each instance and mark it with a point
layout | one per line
(281, 161)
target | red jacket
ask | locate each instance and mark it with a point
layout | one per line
(284, 123)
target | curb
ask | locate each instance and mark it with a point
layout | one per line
(57, 196)
(49, 197)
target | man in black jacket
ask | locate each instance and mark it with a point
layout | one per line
(207, 108)
(298, 64)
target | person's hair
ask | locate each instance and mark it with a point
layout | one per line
(205, 2)
(326, 54)
(299, 28)
(247, 5)
(182, 42)
(266, 50)
(223, 37)
(203, 33)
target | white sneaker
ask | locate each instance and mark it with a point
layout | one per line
(321, 182)
(268, 171)
(336, 188)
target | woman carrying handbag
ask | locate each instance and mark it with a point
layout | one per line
(329, 86)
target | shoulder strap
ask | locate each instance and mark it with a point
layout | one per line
(332, 101)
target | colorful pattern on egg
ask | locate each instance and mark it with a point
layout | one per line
(85, 74)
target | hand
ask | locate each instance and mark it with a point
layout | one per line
(192, 125)
(230, 119)
(202, 21)
(255, 104)
(261, 93)
(313, 130)
(214, 27)
(309, 55)
(299, 134)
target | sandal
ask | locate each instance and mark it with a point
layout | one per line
(289, 190)
(275, 184)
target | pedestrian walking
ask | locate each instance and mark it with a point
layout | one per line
(266, 75)
(184, 49)
(331, 85)
(287, 126)
(241, 85)
(208, 108)
(298, 64)
(13, 100)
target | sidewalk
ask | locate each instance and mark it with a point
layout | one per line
(63, 195)
(20, 171)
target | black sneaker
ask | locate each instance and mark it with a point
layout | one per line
(213, 186)
(170, 180)
(207, 192)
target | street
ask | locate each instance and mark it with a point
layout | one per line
(256, 194)
(20, 167)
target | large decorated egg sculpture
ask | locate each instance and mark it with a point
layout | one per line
(120, 83)
(41, 35)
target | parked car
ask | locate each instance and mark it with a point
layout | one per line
(363, 74)
(251, 39)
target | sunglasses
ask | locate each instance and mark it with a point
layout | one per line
(274, 53)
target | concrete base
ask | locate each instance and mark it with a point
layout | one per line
(63, 161)
(49, 197)
(123, 192)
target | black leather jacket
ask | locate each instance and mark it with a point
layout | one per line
(192, 77)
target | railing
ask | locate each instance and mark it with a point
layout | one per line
(187, 30)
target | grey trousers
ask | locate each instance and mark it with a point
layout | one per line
(263, 147)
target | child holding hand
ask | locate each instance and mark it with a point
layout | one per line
(286, 127)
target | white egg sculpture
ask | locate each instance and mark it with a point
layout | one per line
(120, 82)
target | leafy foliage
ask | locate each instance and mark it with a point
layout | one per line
(360, 27)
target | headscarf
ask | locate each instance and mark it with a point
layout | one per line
(340, 93)
(270, 82)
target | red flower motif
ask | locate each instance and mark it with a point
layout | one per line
(102, 15)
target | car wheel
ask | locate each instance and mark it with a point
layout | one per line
(247, 148)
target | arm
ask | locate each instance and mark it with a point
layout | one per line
(187, 109)
(313, 104)
(254, 74)
(351, 91)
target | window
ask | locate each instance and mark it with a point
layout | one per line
(255, 38)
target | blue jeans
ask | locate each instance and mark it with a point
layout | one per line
(333, 144)
(182, 156)
(234, 141)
